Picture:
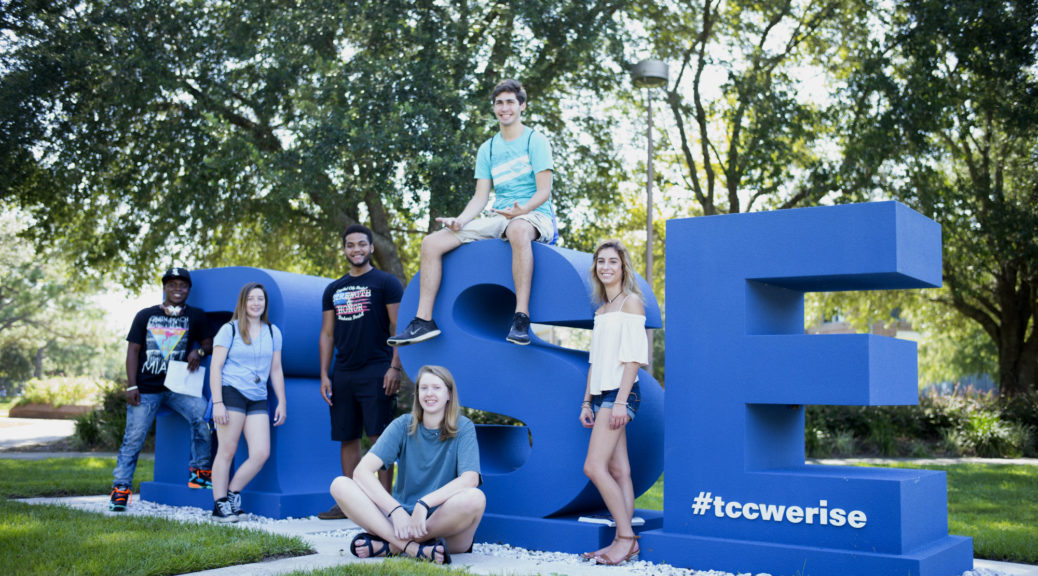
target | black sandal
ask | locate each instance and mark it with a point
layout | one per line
(369, 541)
(431, 557)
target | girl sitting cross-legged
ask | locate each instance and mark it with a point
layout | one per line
(436, 504)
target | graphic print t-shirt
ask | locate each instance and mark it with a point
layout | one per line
(163, 338)
(361, 319)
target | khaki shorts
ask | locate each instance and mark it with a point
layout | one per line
(489, 227)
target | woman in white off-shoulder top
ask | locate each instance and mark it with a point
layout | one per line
(619, 346)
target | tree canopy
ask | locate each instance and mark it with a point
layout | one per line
(139, 134)
(943, 115)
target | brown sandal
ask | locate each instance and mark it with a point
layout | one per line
(631, 553)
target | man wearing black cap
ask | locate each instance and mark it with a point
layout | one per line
(169, 331)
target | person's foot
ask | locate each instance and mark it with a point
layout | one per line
(623, 552)
(120, 498)
(417, 331)
(235, 499)
(434, 551)
(200, 479)
(520, 332)
(222, 511)
(363, 546)
(333, 513)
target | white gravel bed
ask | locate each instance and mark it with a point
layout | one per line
(484, 559)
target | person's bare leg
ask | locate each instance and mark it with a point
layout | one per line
(434, 246)
(257, 438)
(603, 445)
(456, 519)
(227, 436)
(521, 235)
(358, 507)
(349, 455)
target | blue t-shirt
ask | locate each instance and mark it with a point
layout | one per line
(247, 367)
(426, 463)
(514, 167)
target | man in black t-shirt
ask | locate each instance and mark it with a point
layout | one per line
(159, 334)
(359, 314)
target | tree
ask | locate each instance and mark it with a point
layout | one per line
(45, 325)
(944, 116)
(745, 138)
(139, 134)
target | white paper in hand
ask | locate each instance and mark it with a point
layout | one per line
(179, 380)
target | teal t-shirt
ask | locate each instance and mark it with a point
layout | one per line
(514, 166)
(426, 463)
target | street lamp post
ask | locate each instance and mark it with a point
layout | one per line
(649, 74)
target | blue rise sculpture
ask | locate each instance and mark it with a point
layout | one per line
(303, 459)
(739, 496)
(533, 474)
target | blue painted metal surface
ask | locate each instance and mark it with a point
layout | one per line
(540, 384)
(739, 496)
(303, 458)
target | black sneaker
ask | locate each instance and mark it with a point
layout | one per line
(417, 331)
(235, 498)
(120, 498)
(520, 332)
(222, 511)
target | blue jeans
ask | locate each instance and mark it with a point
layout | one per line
(139, 420)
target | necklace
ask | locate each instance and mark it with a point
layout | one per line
(610, 301)
(257, 341)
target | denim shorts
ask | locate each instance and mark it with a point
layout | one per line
(237, 402)
(606, 400)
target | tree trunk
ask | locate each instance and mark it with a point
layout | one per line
(37, 365)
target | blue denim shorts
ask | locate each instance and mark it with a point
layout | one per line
(235, 401)
(606, 400)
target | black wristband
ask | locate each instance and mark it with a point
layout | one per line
(422, 502)
(390, 515)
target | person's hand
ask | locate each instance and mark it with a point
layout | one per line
(193, 360)
(511, 212)
(618, 417)
(280, 414)
(326, 389)
(587, 416)
(391, 381)
(133, 397)
(452, 223)
(401, 524)
(220, 414)
(418, 517)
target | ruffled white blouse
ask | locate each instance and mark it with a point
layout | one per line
(618, 337)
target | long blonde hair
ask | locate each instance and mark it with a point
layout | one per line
(627, 282)
(241, 313)
(449, 424)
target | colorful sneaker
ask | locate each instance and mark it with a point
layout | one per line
(235, 498)
(520, 332)
(120, 498)
(417, 331)
(222, 511)
(200, 479)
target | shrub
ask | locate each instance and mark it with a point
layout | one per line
(103, 428)
(63, 390)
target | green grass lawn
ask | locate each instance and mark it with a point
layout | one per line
(995, 504)
(57, 540)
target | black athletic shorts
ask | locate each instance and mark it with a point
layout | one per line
(359, 403)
